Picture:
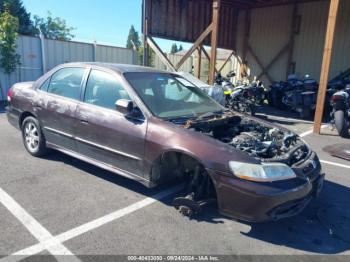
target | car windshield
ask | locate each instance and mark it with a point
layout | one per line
(169, 96)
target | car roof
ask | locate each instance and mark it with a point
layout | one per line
(120, 68)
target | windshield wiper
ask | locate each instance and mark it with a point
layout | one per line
(210, 114)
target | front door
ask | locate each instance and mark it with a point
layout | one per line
(57, 106)
(104, 134)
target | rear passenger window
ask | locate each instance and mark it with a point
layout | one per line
(66, 82)
(103, 89)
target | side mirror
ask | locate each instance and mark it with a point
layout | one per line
(124, 106)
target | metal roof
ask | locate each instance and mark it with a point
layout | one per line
(185, 20)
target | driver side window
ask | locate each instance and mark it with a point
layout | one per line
(104, 89)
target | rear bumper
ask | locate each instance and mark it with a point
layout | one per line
(260, 202)
(13, 116)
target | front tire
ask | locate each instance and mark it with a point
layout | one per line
(33, 138)
(340, 123)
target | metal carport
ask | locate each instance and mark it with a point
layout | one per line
(216, 23)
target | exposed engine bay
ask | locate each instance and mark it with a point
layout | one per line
(266, 143)
(259, 140)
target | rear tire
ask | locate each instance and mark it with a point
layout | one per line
(341, 124)
(33, 138)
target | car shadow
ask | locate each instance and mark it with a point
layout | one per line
(323, 227)
(306, 232)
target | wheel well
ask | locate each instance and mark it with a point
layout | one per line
(179, 166)
(23, 116)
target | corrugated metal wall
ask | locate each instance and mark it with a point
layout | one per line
(190, 65)
(270, 30)
(269, 33)
(174, 59)
(58, 52)
(113, 54)
(309, 43)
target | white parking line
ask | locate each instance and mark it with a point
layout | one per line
(33, 226)
(52, 241)
(309, 132)
(324, 161)
(334, 164)
(54, 244)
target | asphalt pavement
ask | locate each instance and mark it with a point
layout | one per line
(58, 204)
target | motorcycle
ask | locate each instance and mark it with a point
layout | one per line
(302, 95)
(340, 114)
(243, 97)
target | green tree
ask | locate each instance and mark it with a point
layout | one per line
(174, 49)
(9, 59)
(180, 48)
(133, 39)
(53, 27)
(151, 55)
(16, 9)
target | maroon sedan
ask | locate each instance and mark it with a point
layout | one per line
(155, 126)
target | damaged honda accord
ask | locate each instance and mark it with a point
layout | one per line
(155, 126)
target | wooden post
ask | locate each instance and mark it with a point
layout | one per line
(145, 33)
(214, 40)
(327, 54)
(199, 63)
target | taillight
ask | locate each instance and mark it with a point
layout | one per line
(9, 95)
(335, 99)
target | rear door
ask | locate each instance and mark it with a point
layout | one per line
(57, 105)
(104, 134)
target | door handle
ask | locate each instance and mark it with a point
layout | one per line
(84, 121)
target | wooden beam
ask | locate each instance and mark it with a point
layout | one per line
(274, 60)
(327, 55)
(196, 44)
(145, 4)
(227, 59)
(208, 56)
(214, 40)
(199, 63)
(257, 59)
(160, 53)
(205, 53)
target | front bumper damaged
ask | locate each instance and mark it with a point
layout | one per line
(261, 202)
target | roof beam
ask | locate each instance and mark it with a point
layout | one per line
(214, 40)
(160, 53)
(196, 44)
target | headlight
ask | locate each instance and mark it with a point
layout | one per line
(261, 172)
